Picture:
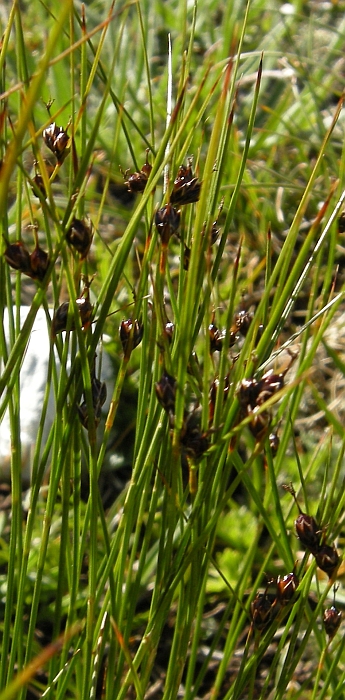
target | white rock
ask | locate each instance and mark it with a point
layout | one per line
(33, 379)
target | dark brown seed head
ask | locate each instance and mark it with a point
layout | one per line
(130, 331)
(39, 261)
(242, 322)
(59, 322)
(38, 180)
(167, 220)
(216, 342)
(166, 392)
(262, 611)
(248, 393)
(186, 187)
(60, 318)
(85, 309)
(186, 257)
(193, 440)
(327, 559)
(308, 532)
(136, 182)
(260, 424)
(214, 232)
(233, 337)
(18, 257)
(331, 619)
(79, 236)
(57, 140)
(269, 384)
(286, 587)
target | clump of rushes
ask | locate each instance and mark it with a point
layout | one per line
(186, 189)
(79, 236)
(131, 334)
(33, 264)
(57, 140)
(136, 182)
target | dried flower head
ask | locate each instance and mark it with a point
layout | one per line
(79, 236)
(327, 559)
(286, 587)
(18, 257)
(186, 187)
(262, 611)
(166, 392)
(130, 331)
(136, 182)
(167, 220)
(331, 619)
(57, 140)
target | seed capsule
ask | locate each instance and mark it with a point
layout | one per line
(166, 392)
(167, 220)
(186, 187)
(79, 236)
(57, 140)
(331, 619)
(136, 182)
(39, 262)
(216, 338)
(286, 588)
(60, 318)
(125, 333)
(262, 611)
(327, 559)
(18, 257)
(38, 180)
(193, 441)
(308, 532)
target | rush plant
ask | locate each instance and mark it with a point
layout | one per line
(171, 198)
